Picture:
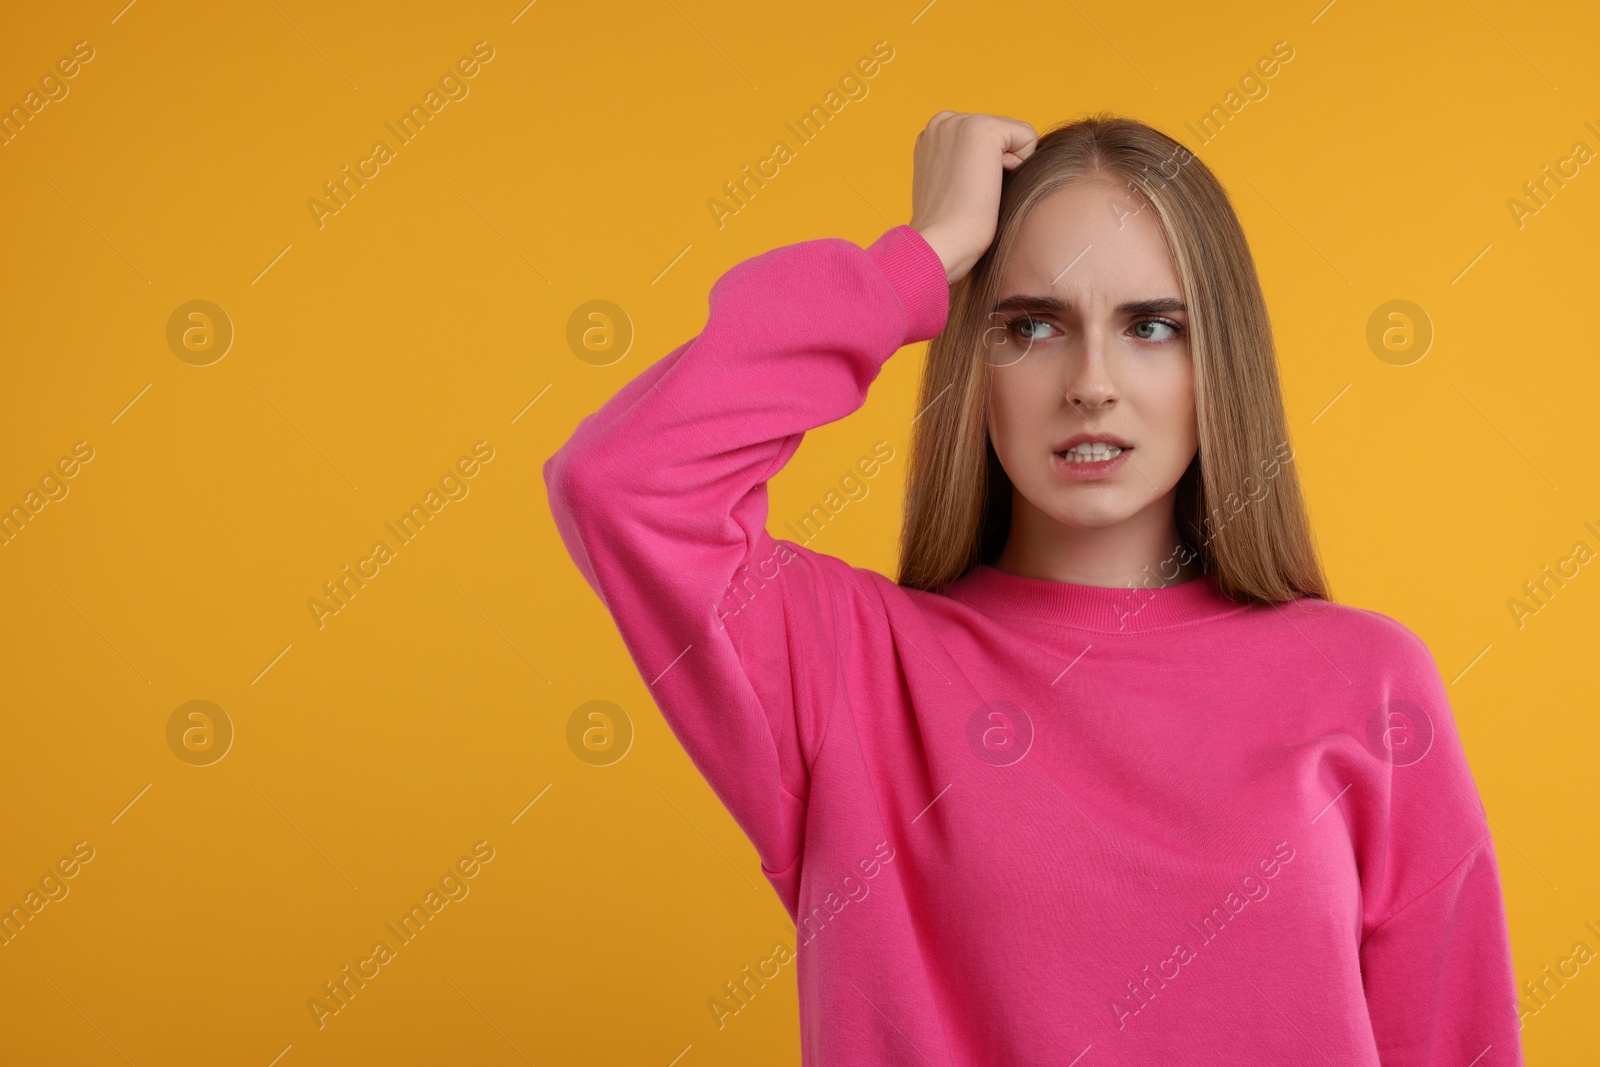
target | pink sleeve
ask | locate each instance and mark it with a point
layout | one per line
(1435, 949)
(1440, 987)
(660, 498)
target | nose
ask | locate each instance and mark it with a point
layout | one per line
(1089, 386)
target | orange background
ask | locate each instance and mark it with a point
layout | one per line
(431, 312)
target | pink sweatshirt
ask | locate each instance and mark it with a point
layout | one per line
(1024, 821)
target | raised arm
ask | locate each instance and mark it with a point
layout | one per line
(661, 499)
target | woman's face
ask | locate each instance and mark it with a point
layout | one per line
(1090, 340)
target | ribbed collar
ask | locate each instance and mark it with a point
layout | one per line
(1106, 609)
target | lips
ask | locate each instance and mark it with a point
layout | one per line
(1092, 438)
(1091, 455)
(1090, 460)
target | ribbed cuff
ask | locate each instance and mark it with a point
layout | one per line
(917, 275)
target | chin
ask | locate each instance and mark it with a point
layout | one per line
(1099, 515)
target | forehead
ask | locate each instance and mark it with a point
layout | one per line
(1107, 233)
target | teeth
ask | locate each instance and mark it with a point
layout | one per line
(1092, 452)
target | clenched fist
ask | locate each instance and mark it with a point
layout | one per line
(955, 182)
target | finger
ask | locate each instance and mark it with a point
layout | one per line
(1019, 137)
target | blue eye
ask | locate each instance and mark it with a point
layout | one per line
(1023, 326)
(1167, 323)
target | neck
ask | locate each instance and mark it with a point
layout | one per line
(1142, 550)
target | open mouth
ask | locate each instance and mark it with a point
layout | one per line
(1093, 452)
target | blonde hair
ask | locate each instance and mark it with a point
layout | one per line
(958, 497)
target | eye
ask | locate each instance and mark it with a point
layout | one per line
(1029, 328)
(1174, 329)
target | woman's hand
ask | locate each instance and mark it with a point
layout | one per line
(955, 182)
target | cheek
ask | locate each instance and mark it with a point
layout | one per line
(1011, 420)
(1173, 410)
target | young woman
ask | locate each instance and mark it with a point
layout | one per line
(1105, 777)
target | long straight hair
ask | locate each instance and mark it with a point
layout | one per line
(1239, 508)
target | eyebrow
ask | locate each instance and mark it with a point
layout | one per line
(1049, 305)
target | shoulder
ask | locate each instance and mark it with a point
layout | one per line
(1393, 699)
(1361, 635)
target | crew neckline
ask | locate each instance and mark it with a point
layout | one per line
(1106, 609)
